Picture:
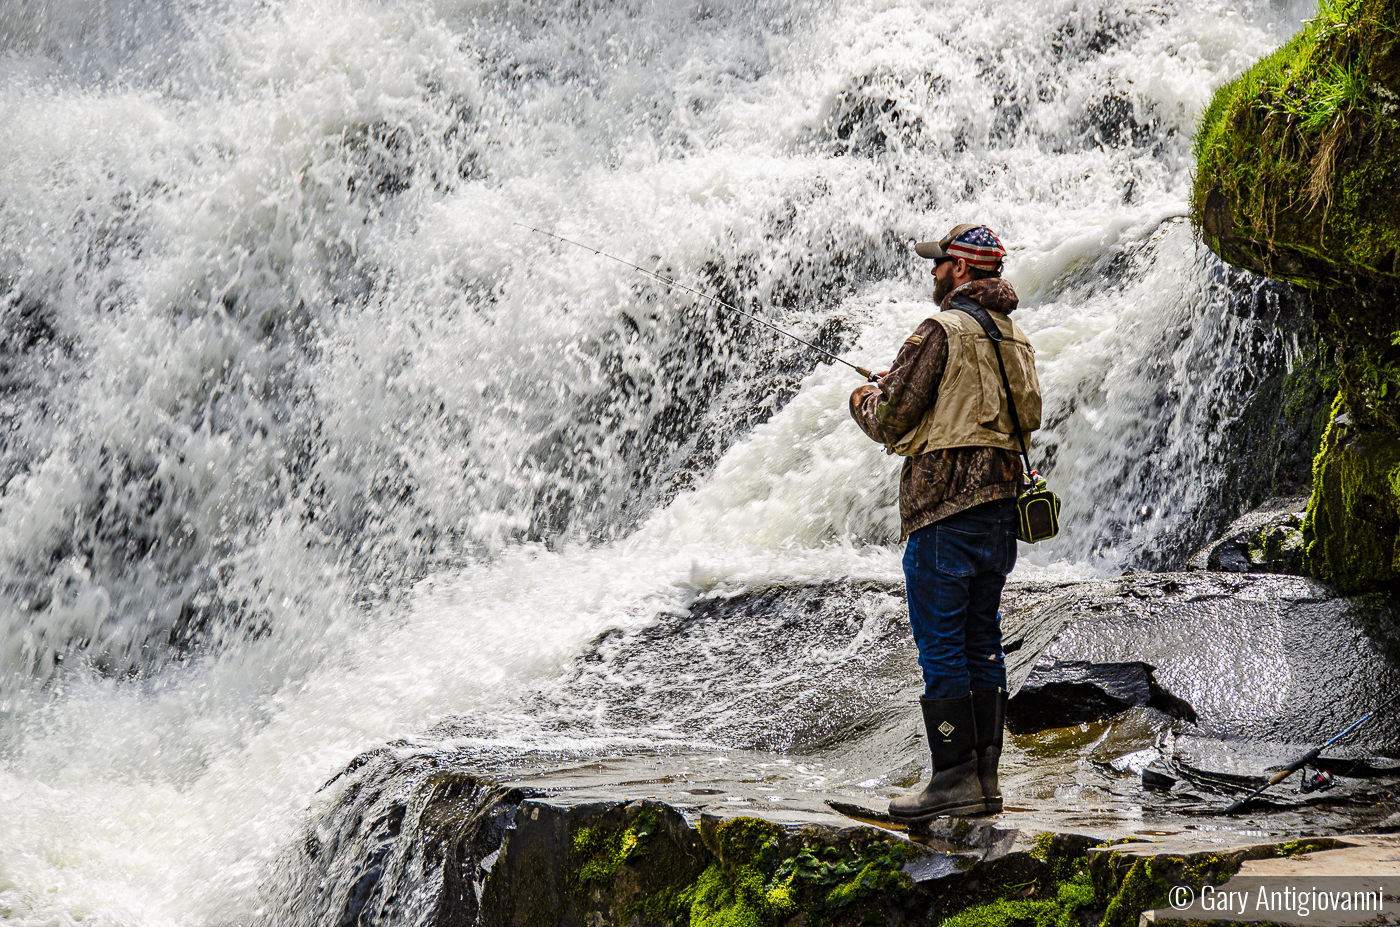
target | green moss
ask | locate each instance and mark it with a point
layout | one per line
(1299, 847)
(1042, 847)
(1061, 906)
(1076, 893)
(1208, 869)
(1382, 599)
(1149, 880)
(1297, 146)
(1298, 177)
(1354, 515)
(1005, 913)
(754, 883)
(597, 853)
(739, 899)
(1061, 739)
(1136, 894)
(1065, 868)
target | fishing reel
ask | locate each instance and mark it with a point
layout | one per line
(1319, 780)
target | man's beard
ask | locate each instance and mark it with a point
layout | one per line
(942, 286)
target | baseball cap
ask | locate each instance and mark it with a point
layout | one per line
(973, 243)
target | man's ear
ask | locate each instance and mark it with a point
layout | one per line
(960, 268)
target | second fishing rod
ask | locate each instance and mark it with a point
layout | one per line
(674, 284)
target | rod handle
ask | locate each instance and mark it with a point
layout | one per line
(872, 377)
(1296, 765)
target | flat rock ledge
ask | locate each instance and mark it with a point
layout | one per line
(760, 837)
(576, 860)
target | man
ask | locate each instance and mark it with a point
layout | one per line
(944, 407)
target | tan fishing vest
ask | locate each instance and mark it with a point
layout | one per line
(971, 409)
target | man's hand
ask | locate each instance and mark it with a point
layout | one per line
(860, 393)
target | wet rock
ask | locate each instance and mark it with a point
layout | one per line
(1136, 876)
(397, 836)
(1260, 657)
(758, 654)
(605, 863)
(1233, 769)
(1059, 693)
(1266, 540)
(1344, 256)
(631, 837)
(1355, 526)
(571, 858)
(1158, 776)
(591, 862)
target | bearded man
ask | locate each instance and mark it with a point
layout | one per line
(943, 405)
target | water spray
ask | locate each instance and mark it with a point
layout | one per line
(872, 377)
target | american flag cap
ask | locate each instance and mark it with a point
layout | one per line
(975, 244)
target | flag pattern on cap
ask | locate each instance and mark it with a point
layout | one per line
(979, 247)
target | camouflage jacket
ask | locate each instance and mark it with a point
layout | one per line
(941, 483)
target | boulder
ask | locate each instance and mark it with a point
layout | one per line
(571, 860)
(1235, 768)
(1260, 657)
(1268, 539)
(798, 702)
(1059, 693)
(1298, 178)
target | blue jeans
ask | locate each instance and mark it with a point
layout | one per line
(954, 571)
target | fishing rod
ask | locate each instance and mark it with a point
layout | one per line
(718, 302)
(1308, 757)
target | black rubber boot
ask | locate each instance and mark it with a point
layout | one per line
(989, 718)
(954, 788)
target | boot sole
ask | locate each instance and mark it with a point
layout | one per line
(965, 809)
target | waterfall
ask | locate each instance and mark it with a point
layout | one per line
(308, 445)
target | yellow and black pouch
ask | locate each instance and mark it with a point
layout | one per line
(1037, 512)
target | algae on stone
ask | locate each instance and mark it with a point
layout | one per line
(641, 864)
(1070, 895)
(768, 875)
(1295, 156)
(1298, 178)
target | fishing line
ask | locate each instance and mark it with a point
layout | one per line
(718, 302)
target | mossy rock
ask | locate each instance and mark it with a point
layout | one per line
(1298, 178)
(1131, 880)
(1298, 160)
(596, 863)
(1354, 515)
(640, 864)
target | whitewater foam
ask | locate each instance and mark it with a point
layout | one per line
(311, 449)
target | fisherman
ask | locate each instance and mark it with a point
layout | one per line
(943, 406)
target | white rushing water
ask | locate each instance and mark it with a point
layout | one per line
(307, 445)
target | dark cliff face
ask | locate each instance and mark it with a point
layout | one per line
(1298, 178)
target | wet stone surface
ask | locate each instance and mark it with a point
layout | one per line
(1268, 539)
(1261, 657)
(1059, 693)
(826, 709)
(798, 708)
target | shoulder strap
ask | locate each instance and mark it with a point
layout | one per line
(979, 315)
(984, 318)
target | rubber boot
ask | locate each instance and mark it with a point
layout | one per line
(989, 718)
(954, 788)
